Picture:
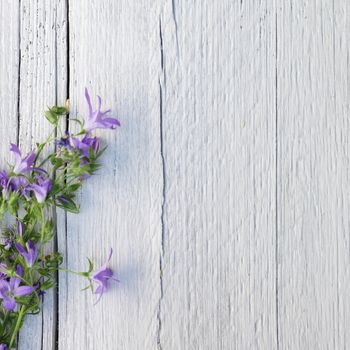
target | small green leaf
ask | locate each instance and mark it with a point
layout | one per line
(51, 117)
(59, 110)
(67, 204)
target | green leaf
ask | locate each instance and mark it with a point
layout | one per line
(48, 284)
(13, 203)
(67, 204)
(59, 110)
(51, 117)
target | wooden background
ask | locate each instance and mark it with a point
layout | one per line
(225, 194)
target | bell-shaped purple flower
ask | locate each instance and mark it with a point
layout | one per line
(86, 144)
(42, 188)
(21, 185)
(11, 289)
(25, 164)
(98, 119)
(3, 346)
(102, 276)
(29, 253)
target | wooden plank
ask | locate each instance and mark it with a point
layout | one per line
(313, 177)
(341, 32)
(42, 25)
(111, 52)
(9, 60)
(218, 116)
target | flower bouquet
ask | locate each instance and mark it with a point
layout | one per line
(30, 190)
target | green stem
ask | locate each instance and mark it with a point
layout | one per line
(84, 274)
(42, 231)
(18, 324)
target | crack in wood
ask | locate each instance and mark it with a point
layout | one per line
(159, 345)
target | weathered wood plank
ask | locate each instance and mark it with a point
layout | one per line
(42, 82)
(341, 31)
(313, 174)
(218, 93)
(112, 53)
(9, 61)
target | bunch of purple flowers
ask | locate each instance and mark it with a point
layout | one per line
(28, 192)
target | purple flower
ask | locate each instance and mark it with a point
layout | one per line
(4, 179)
(98, 119)
(101, 277)
(3, 347)
(41, 189)
(30, 253)
(11, 289)
(25, 164)
(86, 144)
(21, 185)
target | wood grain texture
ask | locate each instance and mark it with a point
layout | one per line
(9, 63)
(120, 207)
(41, 83)
(225, 193)
(218, 92)
(313, 174)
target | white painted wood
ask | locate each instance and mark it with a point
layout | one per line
(9, 46)
(41, 84)
(313, 174)
(113, 49)
(188, 193)
(218, 92)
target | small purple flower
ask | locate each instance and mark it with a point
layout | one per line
(42, 188)
(3, 347)
(11, 289)
(30, 253)
(101, 277)
(25, 164)
(98, 119)
(21, 185)
(86, 144)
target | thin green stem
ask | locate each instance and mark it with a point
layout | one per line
(18, 325)
(42, 230)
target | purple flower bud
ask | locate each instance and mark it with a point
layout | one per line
(29, 253)
(98, 119)
(41, 189)
(25, 164)
(3, 346)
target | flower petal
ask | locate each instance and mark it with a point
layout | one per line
(9, 303)
(23, 290)
(87, 96)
